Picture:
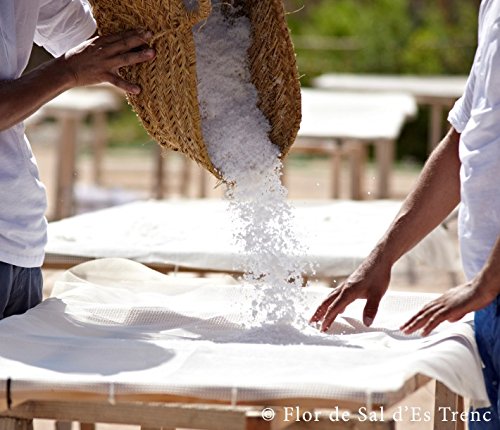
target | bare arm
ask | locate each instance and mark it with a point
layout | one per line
(435, 195)
(94, 61)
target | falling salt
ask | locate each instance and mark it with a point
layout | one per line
(236, 135)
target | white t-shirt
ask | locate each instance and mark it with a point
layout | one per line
(57, 25)
(476, 115)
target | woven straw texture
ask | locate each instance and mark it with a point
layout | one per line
(168, 103)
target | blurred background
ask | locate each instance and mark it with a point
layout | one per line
(418, 38)
(407, 37)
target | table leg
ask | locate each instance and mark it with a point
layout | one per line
(160, 173)
(460, 425)
(384, 153)
(436, 126)
(185, 176)
(446, 400)
(203, 183)
(66, 168)
(357, 157)
(100, 139)
(335, 166)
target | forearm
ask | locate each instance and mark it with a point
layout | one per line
(21, 97)
(435, 195)
(94, 61)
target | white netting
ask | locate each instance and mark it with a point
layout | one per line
(116, 322)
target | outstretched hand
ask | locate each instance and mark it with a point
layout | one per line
(451, 306)
(370, 281)
(98, 59)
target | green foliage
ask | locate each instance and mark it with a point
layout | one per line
(418, 37)
(441, 45)
(368, 36)
(125, 129)
(383, 36)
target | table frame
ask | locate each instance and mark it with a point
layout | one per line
(356, 152)
(70, 116)
(437, 101)
(327, 128)
(195, 414)
(66, 262)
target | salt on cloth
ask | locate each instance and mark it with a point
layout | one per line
(116, 323)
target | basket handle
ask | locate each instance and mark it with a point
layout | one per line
(202, 12)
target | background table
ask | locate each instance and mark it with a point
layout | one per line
(338, 123)
(438, 92)
(195, 235)
(70, 109)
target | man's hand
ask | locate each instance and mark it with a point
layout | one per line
(94, 61)
(451, 306)
(457, 302)
(98, 59)
(370, 281)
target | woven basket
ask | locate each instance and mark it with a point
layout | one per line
(168, 105)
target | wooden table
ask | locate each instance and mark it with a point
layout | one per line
(341, 122)
(70, 109)
(339, 236)
(438, 92)
(105, 348)
(195, 414)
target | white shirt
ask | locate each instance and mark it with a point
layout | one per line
(476, 115)
(57, 25)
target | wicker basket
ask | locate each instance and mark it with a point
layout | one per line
(168, 105)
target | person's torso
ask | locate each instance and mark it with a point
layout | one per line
(18, 19)
(22, 195)
(479, 224)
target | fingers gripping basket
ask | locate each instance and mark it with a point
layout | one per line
(168, 103)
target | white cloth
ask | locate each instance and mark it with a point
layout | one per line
(116, 322)
(476, 115)
(57, 25)
(197, 234)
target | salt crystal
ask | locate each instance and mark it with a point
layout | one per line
(236, 134)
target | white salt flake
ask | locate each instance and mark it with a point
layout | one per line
(236, 134)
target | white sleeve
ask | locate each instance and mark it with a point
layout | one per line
(63, 24)
(460, 113)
